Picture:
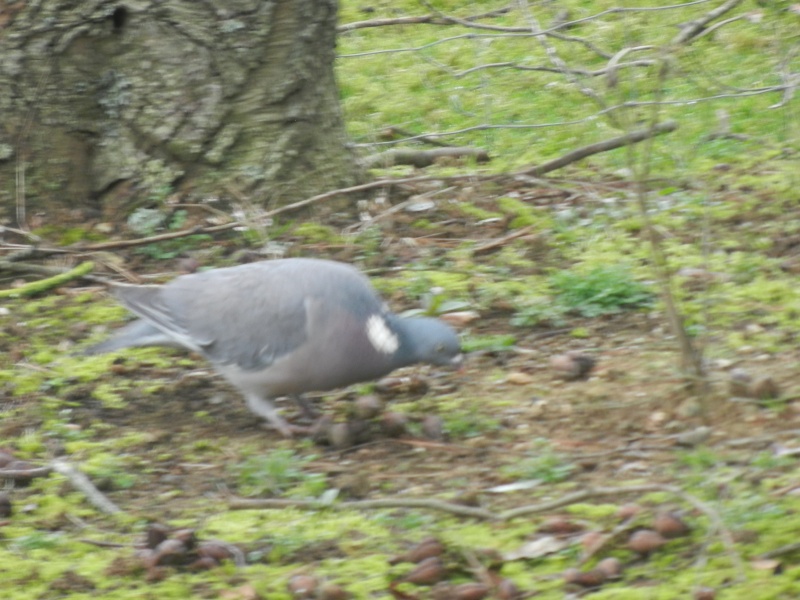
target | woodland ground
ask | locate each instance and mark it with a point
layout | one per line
(547, 266)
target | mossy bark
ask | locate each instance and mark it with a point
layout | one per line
(109, 103)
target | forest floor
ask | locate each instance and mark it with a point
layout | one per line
(531, 483)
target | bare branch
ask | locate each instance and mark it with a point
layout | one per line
(81, 483)
(694, 28)
(422, 158)
(604, 146)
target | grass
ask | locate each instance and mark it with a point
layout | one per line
(165, 450)
(422, 91)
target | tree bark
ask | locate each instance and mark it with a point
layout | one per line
(108, 104)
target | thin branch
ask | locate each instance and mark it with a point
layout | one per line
(421, 19)
(37, 287)
(582, 72)
(24, 474)
(694, 28)
(492, 245)
(422, 158)
(81, 483)
(604, 146)
(424, 503)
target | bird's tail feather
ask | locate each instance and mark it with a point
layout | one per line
(138, 333)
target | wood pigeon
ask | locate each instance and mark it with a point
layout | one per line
(282, 328)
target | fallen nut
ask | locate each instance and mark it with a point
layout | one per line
(611, 566)
(427, 548)
(645, 541)
(302, 587)
(427, 572)
(368, 407)
(670, 525)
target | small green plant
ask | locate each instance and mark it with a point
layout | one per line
(277, 473)
(540, 312)
(600, 291)
(488, 343)
(435, 303)
(544, 465)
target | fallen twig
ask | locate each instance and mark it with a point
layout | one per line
(500, 242)
(81, 483)
(24, 474)
(424, 503)
(37, 287)
(430, 19)
(611, 144)
(693, 29)
(422, 158)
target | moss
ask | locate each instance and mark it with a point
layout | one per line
(316, 233)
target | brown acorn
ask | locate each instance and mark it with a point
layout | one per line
(645, 541)
(331, 591)
(611, 566)
(427, 572)
(187, 536)
(340, 436)
(559, 526)
(433, 428)
(156, 533)
(302, 587)
(203, 563)
(5, 506)
(704, 593)
(572, 365)
(394, 424)
(368, 407)
(427, 548)
(5, 458)
(219, 551)
(628, 511)
(670, 525)
(469, 591)
(739, 383)
(764, 388)
(508, 590)
(592, 578)
(170, 552)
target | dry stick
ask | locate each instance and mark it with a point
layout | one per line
(696, 27)
(691, 357)
(500, 242)
(80, 482)
(37, 287)
(393, 129)
(582, 72)
(422, 158)
(431, 19)
(426, 503)
(24, 474)
(617, 142)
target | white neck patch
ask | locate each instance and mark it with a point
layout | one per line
(380, 336)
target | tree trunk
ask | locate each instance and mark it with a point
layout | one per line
(110, 104)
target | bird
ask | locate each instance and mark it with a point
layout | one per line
(282, 327)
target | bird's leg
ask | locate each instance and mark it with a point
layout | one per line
(264, 408)
(308, 410)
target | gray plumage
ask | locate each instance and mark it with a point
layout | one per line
(282, 327)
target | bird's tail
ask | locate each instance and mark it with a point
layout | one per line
(138, 333)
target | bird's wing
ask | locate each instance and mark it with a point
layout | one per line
(252, 315)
